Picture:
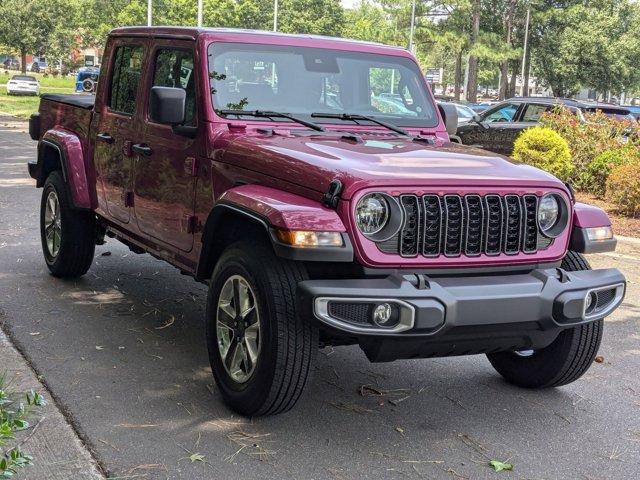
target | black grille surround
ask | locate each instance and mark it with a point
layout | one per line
(453, 225)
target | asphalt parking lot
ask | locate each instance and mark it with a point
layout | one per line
(122, 350)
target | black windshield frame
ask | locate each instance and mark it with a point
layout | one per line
(426, 117)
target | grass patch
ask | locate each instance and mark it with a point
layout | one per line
(23, 106)
(66, 82)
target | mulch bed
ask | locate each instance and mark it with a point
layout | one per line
(622, 225)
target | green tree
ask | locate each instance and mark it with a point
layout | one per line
(28, 25)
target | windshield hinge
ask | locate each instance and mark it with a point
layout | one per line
(332, 195)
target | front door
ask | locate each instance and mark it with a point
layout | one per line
(165, 173)
(116, 126)
(498, 129)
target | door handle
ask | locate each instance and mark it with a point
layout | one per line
(142, 149)
(104, 137)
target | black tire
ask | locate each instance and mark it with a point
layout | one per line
(289, 344)
(565, 360)
(77, 240)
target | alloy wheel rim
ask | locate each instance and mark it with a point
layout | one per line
(52, 224)
(238, 328)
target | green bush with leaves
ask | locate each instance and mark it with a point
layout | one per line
(597, 172)
(588, 136)
(623, 188)
(545, 149)
(14, 411)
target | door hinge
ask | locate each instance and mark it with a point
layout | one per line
(128, 199)
(191, 166)
(192, 224)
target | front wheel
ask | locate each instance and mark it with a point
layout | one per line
(68, 235)
(261, 351)
(563, 361)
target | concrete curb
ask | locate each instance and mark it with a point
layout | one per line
(58, 452)
(628, 240)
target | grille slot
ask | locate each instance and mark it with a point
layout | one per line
(493, 232)
(432, 225)
(454, 225)
(530, 227)
(513, 225)
(410, 234)
(475, 224)
(470, 225)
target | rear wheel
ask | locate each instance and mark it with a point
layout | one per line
(261, 351)
(68, 235)
(564, 361)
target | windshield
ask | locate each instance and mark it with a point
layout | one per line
(301, 81)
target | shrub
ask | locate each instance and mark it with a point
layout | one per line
(588, 135)
(545, 149)
(597, 172)
(623, 188)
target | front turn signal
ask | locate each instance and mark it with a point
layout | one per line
(598, 234)
(303, 238)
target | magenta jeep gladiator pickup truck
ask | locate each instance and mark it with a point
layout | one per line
(310, 182)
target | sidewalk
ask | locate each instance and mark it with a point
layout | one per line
(58, 453)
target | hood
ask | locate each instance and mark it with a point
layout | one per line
(376, 160)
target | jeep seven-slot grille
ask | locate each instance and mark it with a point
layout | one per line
(470, 225)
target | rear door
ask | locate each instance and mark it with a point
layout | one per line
(165, 176)
(116, 126)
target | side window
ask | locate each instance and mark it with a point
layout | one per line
(127, 70)
(532, 112)
(504, 113)
(174, 68)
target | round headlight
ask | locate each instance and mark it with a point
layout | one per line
(372, 213)
(553, 215)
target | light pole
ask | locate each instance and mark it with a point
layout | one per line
(524, 52)
(149, 8)
(275, 15)
(413, 26)
(200, 13)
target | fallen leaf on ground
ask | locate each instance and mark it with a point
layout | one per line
(499, 466)
(196, 457)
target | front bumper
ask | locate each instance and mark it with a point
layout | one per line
(454, 315)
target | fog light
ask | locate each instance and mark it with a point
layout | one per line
(598, 234)
(385, 315)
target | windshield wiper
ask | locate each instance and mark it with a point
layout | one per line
(354, 117)
(269, 114)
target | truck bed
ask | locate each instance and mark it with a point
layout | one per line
(63, 111)
(82, 101)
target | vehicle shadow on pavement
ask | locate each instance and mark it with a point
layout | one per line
(123, 350)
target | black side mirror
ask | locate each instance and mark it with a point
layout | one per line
(450, 117)
(167, 105)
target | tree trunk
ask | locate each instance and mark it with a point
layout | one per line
(23, 60)
(457, 78)
(472, 81)
(504, 67)
(514, 78)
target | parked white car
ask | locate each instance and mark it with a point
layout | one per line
(23, 85)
